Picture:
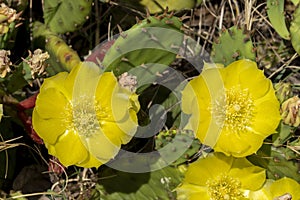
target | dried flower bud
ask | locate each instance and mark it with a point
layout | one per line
(7, 14)
(4, 62)
(283, 91)
(36, 62)
(128, 81)
(290, 111)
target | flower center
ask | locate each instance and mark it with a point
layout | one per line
(224, 187)
(85, 116)
(234, 111)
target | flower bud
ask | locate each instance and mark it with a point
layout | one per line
(290, 112)
(7, 16)
(283, 91)
(4, 62)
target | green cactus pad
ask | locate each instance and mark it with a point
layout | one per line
(62, 57)
(67, 15)
(295, 30)
(165, 137)
(285, 132)
(276, 15)
(158, 5)
(232, 45)
(277, 161)
(146, 42)
(158, 184)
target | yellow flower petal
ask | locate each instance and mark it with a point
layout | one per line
(201, 170)
(116, 134)
(239, 146)
(251, 177)
(232, 106)
(50, 102)
(77, 120)
(220, 177)
(192, 192)
(107, 87)
(135, 102)
(91, 161)
(69, 149)
(56, 81)
(51, 149)
(188, 99)
(120, 106)
(204, 124)
(59, 83)
(264, 122)
(121, 114)
(48, 129)
(70, 80)
(285, 185)
(101, 146)
(284, 188)
(245, 73)
(267, 116)
(258, 84)
(231, 73)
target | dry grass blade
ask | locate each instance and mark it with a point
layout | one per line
(6, 144)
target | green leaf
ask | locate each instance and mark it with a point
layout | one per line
(276, 15)
(151, 41)
(66, 15)
(295, 30)
(158, 184)
(283, 135)
(164, 138)
(172, 105)
(62, 57)
(232, 45)
(16, 80)
(275, 162)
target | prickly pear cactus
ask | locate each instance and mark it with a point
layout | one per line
(159, 5)
(159, 184)
(295, 30)
(67, 15)
(62, 57)
(275, 10)
(278, 161)
(232, 45)
(145, 42)
(165, 137)
(280, 156)
(284, 134)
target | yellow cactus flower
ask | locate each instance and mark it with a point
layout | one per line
(233, 109)
(219, 177)
(84, 117)
(282, 189)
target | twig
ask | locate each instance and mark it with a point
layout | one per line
(284, 65)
